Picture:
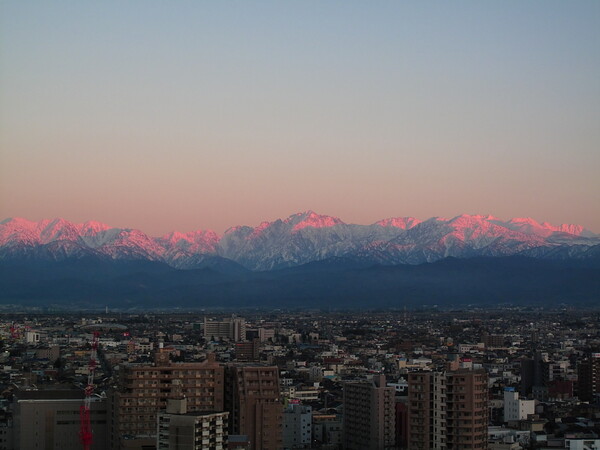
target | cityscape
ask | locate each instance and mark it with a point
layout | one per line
(316, 224)
(518, 378)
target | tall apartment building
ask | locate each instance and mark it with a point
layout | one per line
(516, 408)
(297, 426)
(401, 421)
(369, 414)
(143, 390)
(588, 377)
(447, 410)
(254, 405)
(492, 340)
(50, 419)
(247, 350)
(232, 328)
(179, 429)
(534, 376)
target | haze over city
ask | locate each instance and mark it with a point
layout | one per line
(199, 115)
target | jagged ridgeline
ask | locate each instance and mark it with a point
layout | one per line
(307, 258)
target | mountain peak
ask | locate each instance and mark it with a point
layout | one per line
(570, 228)
(474, 218)
(18, 221)
(281, 243)
(92, 226)
(531, 226)
(404, 223)
(175, 236)
(312, 219)
(524, 221)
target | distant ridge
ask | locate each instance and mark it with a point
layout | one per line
(301, 238)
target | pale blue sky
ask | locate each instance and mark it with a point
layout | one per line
(185, 115)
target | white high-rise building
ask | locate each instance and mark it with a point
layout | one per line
(297, 426)
(516, 408)
(232, 328)
(180, 430)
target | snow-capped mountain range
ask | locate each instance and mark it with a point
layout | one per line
(301, 238)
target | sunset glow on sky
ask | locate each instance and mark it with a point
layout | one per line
(203, 115)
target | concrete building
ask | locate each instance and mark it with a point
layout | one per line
(534, 376)
(32, 337)
(6, 431)
(447, 410)
(143, 390)
(297, 426)
(492, 340)
(50, 419)
(266, 334)
(516, 408)
(588, 373)
(238, 442)
(576, 443)
(232, 328)
(253, 400)
(369, 414)
(248, 350)
(401, 409)
(51, 352)
(179, 429)
(328, 430)
(304, 393)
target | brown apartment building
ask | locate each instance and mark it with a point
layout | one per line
(143, 390)
(254, 405)
(369, 414)
(588, 372)
(448, 410)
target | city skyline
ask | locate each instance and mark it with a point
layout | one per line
(275, 225)
(209, 115)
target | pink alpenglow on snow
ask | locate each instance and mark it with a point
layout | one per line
(192, 241)
(313, 220)
(403, 223)
(531, 226)
(299, 239)
(96, 234)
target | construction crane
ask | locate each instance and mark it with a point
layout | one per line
(85, 429)
(16, 331)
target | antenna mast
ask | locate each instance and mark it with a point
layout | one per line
(85, 430)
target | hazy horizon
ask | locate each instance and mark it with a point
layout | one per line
(197, 115)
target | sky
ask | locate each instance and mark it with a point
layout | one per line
(186, 115)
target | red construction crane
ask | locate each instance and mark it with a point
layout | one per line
(85, 430)
(15, 331)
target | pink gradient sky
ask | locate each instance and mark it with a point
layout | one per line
(210, 115)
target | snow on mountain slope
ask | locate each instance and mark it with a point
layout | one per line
(312, 219)
(65, 238)
(188, 250)
(465, 236)
(530, 226)
(403, 223)
(193, 241)
(20, 231)
(299, 239)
